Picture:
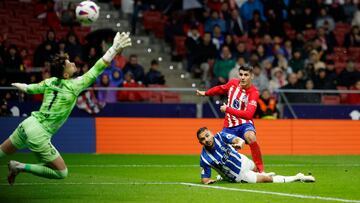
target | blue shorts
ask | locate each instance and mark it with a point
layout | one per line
(240, 130)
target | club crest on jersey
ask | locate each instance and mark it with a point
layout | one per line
(236, 104)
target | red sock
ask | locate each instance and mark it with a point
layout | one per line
(256, 155)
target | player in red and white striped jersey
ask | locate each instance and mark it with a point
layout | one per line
(240, 109)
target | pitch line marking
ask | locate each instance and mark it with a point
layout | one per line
(194, 165)
(199, 185)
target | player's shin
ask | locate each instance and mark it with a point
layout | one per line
(44, 171)
(256, 155)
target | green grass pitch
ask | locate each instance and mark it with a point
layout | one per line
(145, 178)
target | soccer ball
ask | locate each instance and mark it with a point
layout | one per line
(87, 12)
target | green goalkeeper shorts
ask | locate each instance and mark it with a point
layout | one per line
(30, 134)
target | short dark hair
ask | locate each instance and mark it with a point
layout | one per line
(246, 68)
(154, 62)
(202, 129)
(58, 65)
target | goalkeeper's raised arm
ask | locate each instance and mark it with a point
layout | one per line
(121, 41)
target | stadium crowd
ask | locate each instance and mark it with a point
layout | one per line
(291, 44)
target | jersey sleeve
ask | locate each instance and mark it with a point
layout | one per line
(84, 81)
(219, 90)
(250, 109)
(38, 88)
(205, 170)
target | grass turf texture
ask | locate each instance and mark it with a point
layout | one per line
(145, 178)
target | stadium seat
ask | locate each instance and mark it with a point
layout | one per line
(330, 99)
(170, 97)
(150, 18)
(309, 34)
(339, 66)
(343, 96)
(180, 45)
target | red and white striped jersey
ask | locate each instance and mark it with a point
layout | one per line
(241, 102)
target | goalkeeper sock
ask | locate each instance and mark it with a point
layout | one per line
(45, 172)
(2, 153)
(256, 155)
(284, 179)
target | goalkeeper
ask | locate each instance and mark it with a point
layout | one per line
(60, 94)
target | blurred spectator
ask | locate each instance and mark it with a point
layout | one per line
(327, 38)
(223, 66)
(138, 8)
(46, 50)
(299, 41)
(297, 62)
(300, 74)
(4, 110)
(234, 73)
(92, 56)
(68, 17)
(322, 81)
(73, 46)
(12, 60)
(267, 68)
(136, 69)
(292, 84)
(354, 98)
(205, 57)
(241, 51)
(236, 25)
(256, 26)
(154, 76)
(248, 8)
(278, 79)
(215, 20)
(352, 39)
(349, 8)
(129, 82)
(356, 18)
(330, 71)
(173, 27)
(325, 18)
(106, 96)
(281, 61)
(191, 20)
(260, 51)
(349, 75)
(217, 37)
(314, 59)
(274, 23)
(266, 108)
(192, 43)
(307, 19)
(337, 11)
(288, 49)
(309, 97)
(260, 80)
(26, 59)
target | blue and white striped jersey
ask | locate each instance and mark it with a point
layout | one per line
(223, 158)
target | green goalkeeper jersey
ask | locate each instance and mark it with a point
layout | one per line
(60, 96)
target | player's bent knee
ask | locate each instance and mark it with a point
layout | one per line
(250, 137)
(63, 173)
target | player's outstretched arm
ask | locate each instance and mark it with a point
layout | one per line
(200, 93)
(21, 86)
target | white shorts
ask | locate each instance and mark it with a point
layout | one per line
(247, 175)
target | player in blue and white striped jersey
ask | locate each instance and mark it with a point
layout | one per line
(220, 153)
